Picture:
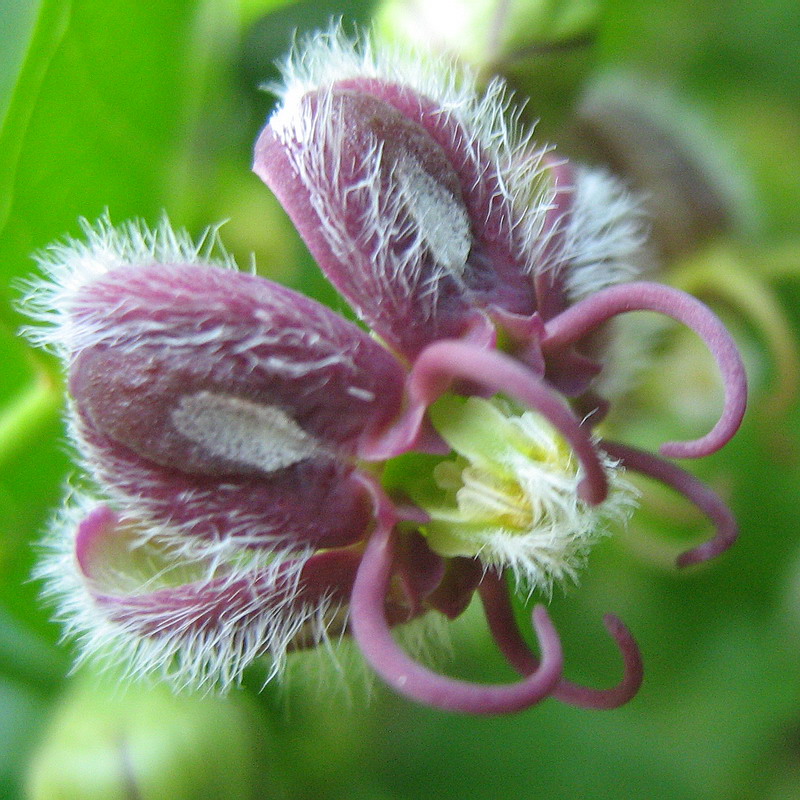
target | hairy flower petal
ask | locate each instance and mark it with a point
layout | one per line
(314, 503)
(173, 358)
(419, 201)
(196, 623)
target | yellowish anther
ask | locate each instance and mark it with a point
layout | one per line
(497, 500)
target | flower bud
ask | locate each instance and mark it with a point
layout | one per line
(425, 202)
(145, 742)
(199, 622)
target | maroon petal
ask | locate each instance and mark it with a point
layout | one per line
(314, 503)
(199, 622)
(550, 280)
(216, 372)
(405, 211)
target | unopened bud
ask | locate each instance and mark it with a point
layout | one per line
(106, 743)
(543, 49)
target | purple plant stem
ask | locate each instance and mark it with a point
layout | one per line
(408, 677)
(692, 489)
(503, 625)
(574, 323)
(442, 362)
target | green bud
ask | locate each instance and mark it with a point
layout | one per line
(542, 48)
(691, 186)
(108, 743)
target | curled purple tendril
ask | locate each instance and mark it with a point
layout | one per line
(506, 633)
(371, 630)
(576, 321)
(692, 489)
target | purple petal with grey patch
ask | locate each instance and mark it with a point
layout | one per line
(405, 213)
(225, 407)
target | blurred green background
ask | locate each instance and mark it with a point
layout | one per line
(141, 107)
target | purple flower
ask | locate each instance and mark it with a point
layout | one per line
(249, 490)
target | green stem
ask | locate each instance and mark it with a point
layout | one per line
(27, 414)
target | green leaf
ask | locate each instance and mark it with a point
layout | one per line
(21, 718)
(29, 659)
(19, 19)
(95, 119)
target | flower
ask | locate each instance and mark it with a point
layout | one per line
(244, 444)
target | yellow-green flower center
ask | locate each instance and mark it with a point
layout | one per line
(509, 495)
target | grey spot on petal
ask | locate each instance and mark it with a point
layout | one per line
(242, 431)
(442, 221)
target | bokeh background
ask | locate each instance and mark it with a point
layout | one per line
(140, 107)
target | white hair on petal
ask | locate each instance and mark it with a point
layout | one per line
(380, 213)
(178, 651)
(489, 118)
(605, 237)
(71, 264)
(555, 549)
(253, 342)
(67, 323)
